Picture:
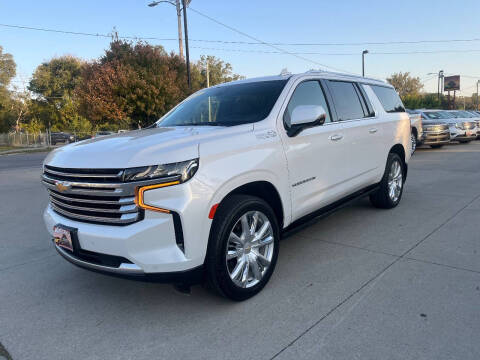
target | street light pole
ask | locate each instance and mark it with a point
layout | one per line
(184, 3)
(363, 62)
(179, 23)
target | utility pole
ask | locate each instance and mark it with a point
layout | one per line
(184, 3)
(208, 85)
(179, 23)
(363, 62)
(208, 73)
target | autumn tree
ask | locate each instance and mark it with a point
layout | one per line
(132, 85)
(53, 86)
(405, 84)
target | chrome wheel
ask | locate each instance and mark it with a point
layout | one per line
(414, 142)
(395, 181)
(249, 249)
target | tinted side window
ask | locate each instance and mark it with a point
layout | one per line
(347, 102)
(306, 93)
(388, 98)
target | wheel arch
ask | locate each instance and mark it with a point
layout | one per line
(400, 151)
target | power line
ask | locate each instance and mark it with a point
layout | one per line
(241, 42)
(263, 42)
(164, 39)
(279, 51)
(338, 54)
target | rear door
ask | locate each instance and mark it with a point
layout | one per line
(363, 133)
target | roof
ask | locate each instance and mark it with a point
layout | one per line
(323, 74)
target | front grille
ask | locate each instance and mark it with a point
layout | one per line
(96, 196)
(94, 175)
(435, 128)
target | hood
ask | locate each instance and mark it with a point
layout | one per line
(135, 148)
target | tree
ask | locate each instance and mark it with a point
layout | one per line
(53, 85)
(132, 85)
(7, 73)
(219, 72)
(405, 84)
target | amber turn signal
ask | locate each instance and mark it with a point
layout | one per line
(139, 196)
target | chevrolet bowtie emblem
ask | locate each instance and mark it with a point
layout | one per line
(63, 186)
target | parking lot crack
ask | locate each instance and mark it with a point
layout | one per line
(371, 280)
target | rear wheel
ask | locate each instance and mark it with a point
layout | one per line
(243, 247)
(391, 187)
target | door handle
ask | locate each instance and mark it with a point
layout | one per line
(336, 137)
(373, 130)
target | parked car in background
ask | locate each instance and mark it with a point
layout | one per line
(416, 129)
(61, 137)
(476, 115)
(436, 132)
(121, 131)
(464, 125)
(102, 133)
(207, 194)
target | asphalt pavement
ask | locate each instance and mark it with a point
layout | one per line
(363, 283)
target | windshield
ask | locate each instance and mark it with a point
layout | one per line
(227, 105)
(436, 115)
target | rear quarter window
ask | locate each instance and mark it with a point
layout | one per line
(389, 99)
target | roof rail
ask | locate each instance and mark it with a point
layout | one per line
(342, 74)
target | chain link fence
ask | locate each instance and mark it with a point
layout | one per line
(46, 139)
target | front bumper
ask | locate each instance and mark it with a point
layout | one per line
(131, 271)
(436, 137)
(462, 135)
(150, 245)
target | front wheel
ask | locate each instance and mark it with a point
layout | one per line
(391, 186)
(243, 247)
(436, 146)
(413, 140)
(464, 141)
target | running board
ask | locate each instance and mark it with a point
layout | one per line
(313, 217)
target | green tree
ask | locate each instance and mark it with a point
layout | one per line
(219, 72)
(7, 73)
(405, 84)
(53, 85)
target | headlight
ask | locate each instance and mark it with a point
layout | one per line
(167, 175)
(460, 126)
(181, 172)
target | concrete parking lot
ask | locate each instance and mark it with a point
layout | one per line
(361, 284)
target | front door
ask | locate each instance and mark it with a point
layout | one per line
(316, 156)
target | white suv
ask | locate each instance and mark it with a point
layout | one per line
(206, 193)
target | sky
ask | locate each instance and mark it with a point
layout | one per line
(287, 22)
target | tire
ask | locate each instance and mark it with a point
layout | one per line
(464, 141)
(436, 146)
(413, 140)
(222, 274)
(390, 192)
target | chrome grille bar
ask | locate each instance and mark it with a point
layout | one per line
(96, 195)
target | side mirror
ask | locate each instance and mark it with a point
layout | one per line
(306, 116)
